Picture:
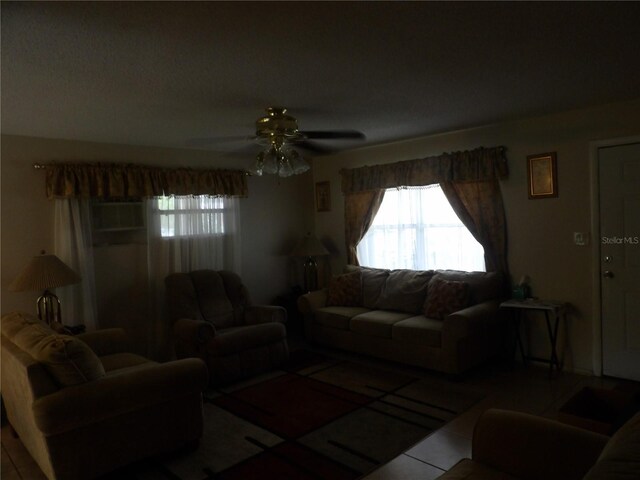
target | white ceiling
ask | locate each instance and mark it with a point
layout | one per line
(191, 74)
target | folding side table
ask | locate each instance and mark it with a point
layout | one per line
(553, 313)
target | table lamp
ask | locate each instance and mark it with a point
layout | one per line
(43, 272)
(310, 247)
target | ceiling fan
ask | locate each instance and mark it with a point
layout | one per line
(280, 133)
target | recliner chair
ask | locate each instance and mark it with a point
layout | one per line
(213, 319)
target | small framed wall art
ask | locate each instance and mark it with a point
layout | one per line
(323, 196)
(542, 175)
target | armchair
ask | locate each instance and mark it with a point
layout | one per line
(213, 319)
(513, 445)
(84, 406)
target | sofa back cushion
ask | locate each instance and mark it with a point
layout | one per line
(218, 297)
(68, 359)
(404, 291)
(482, 285)
(373, 280)
(215, 305)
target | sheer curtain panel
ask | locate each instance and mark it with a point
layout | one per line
(73, 244)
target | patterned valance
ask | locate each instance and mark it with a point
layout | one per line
(114, 180)
(481, 164)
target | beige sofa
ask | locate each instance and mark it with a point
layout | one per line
(511, 445)
(83, 406)
(386, 317)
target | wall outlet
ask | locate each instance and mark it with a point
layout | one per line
(581, 238)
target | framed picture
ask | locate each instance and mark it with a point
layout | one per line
(542, 175)
(323, 196)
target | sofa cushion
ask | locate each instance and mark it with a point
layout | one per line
(230, 341)
(482, 285)
(418, 329)
(345, 290)
(373, 279)
(620, 459)
(376, 323)
(337, 317)
(404, 291)
(445, 297)
(115, 362)
(68, 359)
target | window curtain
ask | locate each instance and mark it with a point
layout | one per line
(116, 180)
(479, 206)
(482, 167)
(360, 209)
(73, 245)
(190, 247)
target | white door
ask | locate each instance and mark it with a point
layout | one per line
(620, 259)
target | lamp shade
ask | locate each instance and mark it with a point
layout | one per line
(309, 246)
(44, 272)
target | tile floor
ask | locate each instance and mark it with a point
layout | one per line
(509, 386)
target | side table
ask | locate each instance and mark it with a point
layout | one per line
(289, 301)
(552, 310)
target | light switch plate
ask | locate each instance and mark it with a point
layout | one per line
(581, 238)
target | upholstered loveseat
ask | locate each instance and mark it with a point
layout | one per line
(83, 406)
(443, 320)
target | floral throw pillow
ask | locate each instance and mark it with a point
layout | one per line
(445, 297)
(345, 290)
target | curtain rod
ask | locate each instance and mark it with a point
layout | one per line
(42, 166)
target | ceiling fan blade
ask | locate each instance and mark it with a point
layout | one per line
(334, 134)
(314, 147)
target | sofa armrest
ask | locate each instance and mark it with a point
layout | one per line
(312, 301)
(114, 395)
(190, 337)
(198, 331)
(107, 341)
(256, 314)
(471, 319)
(531, 447)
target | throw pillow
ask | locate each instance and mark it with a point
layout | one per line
(445, 297)
(345, 290)
(68, 359)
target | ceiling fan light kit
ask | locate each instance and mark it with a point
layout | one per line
(282, 161)
(279, 132)
(279, 158)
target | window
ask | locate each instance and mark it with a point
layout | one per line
(186, 233)
(192, 216)
(416, 228)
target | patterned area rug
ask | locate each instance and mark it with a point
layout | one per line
(318, 418)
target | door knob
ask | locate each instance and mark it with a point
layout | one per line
(607, 274)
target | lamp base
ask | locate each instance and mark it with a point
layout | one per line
(310, 274)
(48, 307)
